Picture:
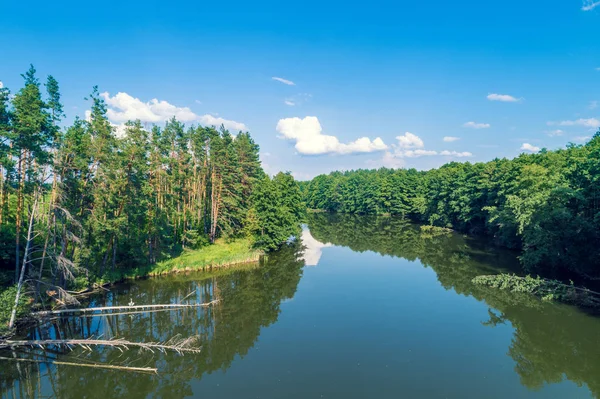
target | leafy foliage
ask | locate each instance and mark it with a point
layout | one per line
(115, 203)
(546, 289)
(7, 300)
(545, 204)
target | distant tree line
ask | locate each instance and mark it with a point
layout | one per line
(547, 204)
(101, 202)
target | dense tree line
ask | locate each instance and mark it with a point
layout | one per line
(101, 201)
(545, 204)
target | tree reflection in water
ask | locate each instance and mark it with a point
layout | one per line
(249, 300)
(551, 341)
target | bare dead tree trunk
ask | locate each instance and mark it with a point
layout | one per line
(24, 266)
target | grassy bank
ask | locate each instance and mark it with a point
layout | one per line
(220, 254)
(211, 259)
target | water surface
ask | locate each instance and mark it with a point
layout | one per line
(367, 308)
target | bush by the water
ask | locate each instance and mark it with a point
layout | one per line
(7, 301)
(546, 289)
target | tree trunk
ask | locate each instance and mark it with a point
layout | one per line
(24, 266)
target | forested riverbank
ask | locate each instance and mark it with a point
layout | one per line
(92, 202)
(546, 205)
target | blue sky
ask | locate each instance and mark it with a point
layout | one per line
(493, 78)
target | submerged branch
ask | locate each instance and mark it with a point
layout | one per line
(175, 344)
(94, 365)
(103, 308)
(546, 289)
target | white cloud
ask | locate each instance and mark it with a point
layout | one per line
(389, 160)
(123, 107)
(456, 154)
(1, 84)
(284, 81)
(409, 140)
(198, 102)
(291, 103)
(590, 122)
(209, 120)
(529, 147)
(502, 97)
(475, 125)
(449, 139)
(416, 153)
(302, 176)
(554, 133)
(581, 139)
(593, 104)
(411, 146)
(307, 133)
(590, 5)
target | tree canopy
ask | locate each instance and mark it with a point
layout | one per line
(113, 201)
(545, 204)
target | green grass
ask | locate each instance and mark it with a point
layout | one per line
(221, 254)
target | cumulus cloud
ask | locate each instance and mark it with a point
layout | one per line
(529, 147)
(284, 81)
(589, 122)
(391, 161)
(590, 5)
(502, 97)
(449, 139)
(291, 103)
(210, 120)
(456, 154)
(581, 139)
(554, 133)
(307, 133)
(416, 153)
(123, 107)
(410, 145)
(409, 140)
(475, 125)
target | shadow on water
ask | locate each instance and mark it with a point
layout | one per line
(551, 342)
(249, 300)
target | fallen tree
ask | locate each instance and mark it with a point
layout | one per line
(175, 344)
(93, 365)
(126, 307)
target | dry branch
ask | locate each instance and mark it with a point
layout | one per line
(94, 365)
(175, 344)
(103, 308)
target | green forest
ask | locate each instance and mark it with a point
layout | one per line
(82, 203)
(547, 205)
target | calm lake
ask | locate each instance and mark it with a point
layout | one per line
(367, 307)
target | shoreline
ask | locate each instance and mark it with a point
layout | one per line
(217, 256)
